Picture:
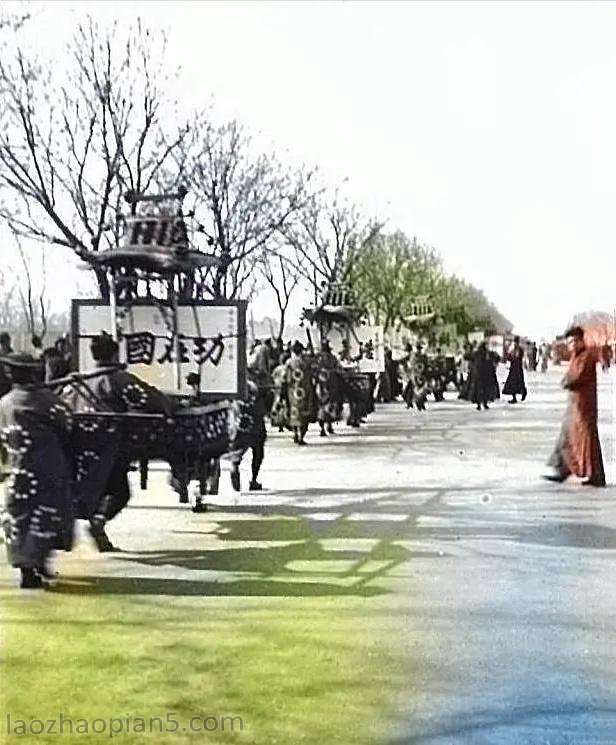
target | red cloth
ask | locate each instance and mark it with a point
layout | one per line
(580, 448)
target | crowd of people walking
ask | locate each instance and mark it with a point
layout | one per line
(290, 384)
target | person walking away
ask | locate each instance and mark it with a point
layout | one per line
(515, 384)
(256, 405)
(299, 393)
(484, 385)
(328, 389)
(606, 357)
(388, 379)
(533, 357)
(279, 416)
(35, 427)
(406, 367)
(439, 376)
(578, 449)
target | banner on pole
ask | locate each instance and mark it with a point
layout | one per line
(365, 344)
(212, 343)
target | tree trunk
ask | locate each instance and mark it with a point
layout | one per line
(283, 313)
(103, 283)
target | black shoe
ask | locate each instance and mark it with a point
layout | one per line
(486, 407)
(557, 478)
(524, 395)
(255, 486)
(30, 580)
(236, 481)
(513, 401)
(101, 539)
(323, 433)
(302, 442)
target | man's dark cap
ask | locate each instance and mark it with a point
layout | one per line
(103, 347)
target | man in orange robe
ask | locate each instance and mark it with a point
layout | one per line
(578, 450)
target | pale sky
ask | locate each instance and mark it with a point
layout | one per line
(487, 129)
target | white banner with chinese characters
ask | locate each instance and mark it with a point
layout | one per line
(212, 343)
(476, 337)
(365, 344)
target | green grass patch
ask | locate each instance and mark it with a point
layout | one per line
(314, 668)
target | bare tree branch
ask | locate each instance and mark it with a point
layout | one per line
(68, 151)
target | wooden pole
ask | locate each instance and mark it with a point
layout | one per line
(113, 304)
(176, 334)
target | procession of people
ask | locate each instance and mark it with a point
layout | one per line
(290, 385)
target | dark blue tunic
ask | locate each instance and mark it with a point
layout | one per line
(35, 426)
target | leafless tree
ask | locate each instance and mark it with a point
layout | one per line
(242, 199)
(15, 15)
(9, 307)
(326, 235)
(69, 150)
(281, 273)
(32, 295)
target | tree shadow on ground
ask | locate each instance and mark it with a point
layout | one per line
(276, 560)
(233, 588)
(303, 547)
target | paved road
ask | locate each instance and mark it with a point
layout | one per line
(497, 588)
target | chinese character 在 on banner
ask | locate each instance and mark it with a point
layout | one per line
(140, 348)
(169, 353)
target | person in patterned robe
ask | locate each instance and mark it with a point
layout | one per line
(421, 388)
(35, 426)
(299, 393)
(328, 389)
(280, 409)
(116, 390)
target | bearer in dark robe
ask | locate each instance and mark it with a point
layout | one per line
(393, 377)
(35, 426)
(299, 393)
(118, 391)
(515, 385)
(439, 376)
(328, 389)
(466, 370)
(578, 450)
(256, 409)
(483, 381)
